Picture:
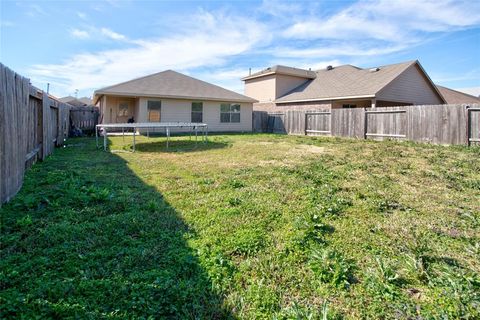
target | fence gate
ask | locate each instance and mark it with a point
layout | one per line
(387, 124)
(473, 125)
(276, 123)
(318, 122)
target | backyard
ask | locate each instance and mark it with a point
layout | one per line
(252, 226)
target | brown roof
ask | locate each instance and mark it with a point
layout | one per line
(172, 84)
(346, 81)
(457, 97)
(279, 69)
(76, 102)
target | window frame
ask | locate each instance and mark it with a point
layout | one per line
(196, 112)
(154, 108)
(234, 109)
(126, 112)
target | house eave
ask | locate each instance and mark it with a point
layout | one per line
(144, 95)
(369, 96)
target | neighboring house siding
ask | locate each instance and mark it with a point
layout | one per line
(285, 84)
(410, 87)
(175, 110)
(358, 103)
(302, 106)
(270, 87)
(262, 89)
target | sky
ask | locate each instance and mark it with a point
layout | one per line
(87, 45)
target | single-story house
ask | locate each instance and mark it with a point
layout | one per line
(457, 97)
(285, 88)
(170, 96)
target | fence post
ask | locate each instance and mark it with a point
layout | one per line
(365, 123)
(306, 122)
(45, 115)
(469, 124)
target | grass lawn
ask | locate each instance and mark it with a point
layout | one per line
(246, 227)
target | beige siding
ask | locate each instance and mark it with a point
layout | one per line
(359, 103)
(175, 110)
(300, 106)
(285, 84)
(410, 87)
(268, 88)
(110, 112)
(262, 89)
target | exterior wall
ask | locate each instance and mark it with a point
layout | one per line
(110, 110)
(262, 89)
(381, 104)
(176, 110)
(410, 87)
(359, 103)
(271, 87)
(285, 84)
(300, 106)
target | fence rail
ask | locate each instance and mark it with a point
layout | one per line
(32, 124)
(439, 124)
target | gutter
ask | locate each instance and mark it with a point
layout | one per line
(326, 99)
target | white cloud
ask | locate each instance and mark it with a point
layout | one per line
(379, 27)
(34, 10)
(474, 91)
(280, 8)
(342, 49)
(388, 20)
(112, 34)
(82, 15)
(208, 42)
(225, 77)
(80, 34)
(6, 23)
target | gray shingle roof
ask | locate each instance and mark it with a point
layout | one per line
(346, 81)
(172, 84)
(456, 97)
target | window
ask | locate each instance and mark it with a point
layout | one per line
(229, 112)
(197, 111)
(123, 109)
(349, 106)
(154, 108)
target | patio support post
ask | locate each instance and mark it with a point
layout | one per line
(374, 102)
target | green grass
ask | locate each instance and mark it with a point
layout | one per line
(247, 227)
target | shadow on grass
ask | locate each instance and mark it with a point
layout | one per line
(86, 238)
(179, 146)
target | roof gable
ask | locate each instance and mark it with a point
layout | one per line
(419, 84)
(172, 84)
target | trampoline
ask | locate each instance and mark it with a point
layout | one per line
(167, 126)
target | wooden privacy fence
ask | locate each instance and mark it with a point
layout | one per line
(439, 124)
(31, 125)
(84, 118)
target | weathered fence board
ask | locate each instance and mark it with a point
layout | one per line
(348, 123)
(439, 124)
(31, 125)
(84, 118)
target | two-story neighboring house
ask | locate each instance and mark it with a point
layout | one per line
(280, 88)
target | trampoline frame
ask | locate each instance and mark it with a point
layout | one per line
(151, 125)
